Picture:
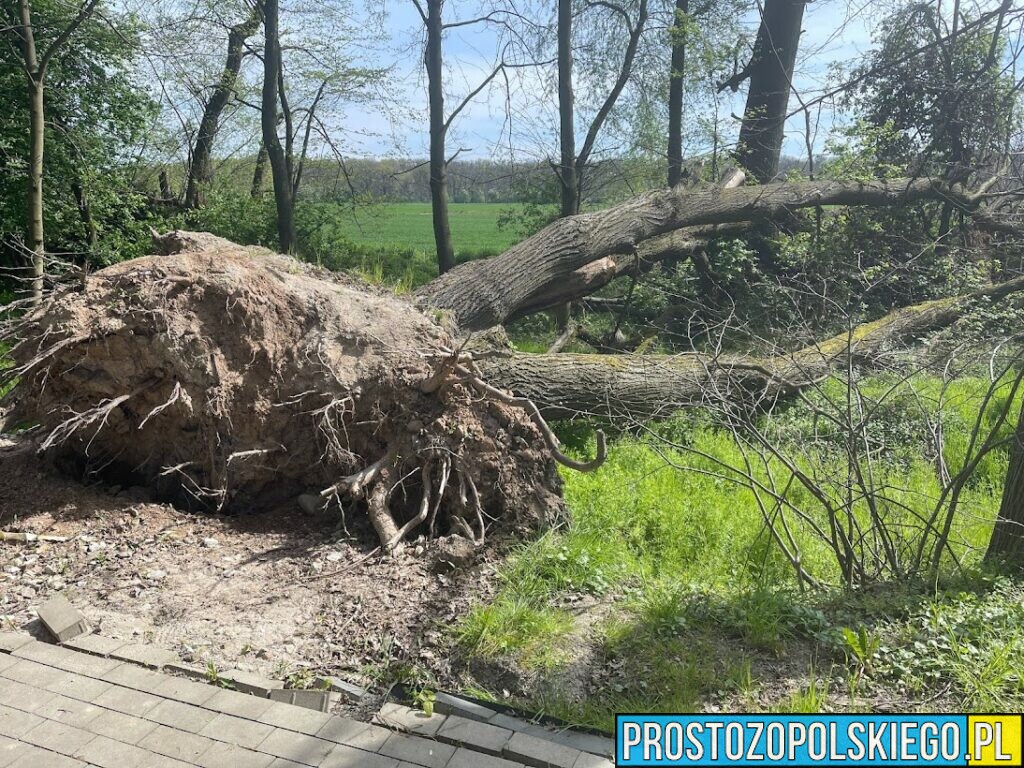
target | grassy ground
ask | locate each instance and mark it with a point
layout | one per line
(665, 593)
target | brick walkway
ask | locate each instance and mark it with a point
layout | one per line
(63, 708)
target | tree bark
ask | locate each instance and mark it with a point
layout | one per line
(771, 74)
(569, 191)
(200, 172)
(256, 190)
(1006, 547)
(653, 386)
(485, 293)
(433, 59)
(275, 152)
(165, 186)
(676, 91)
(37, 138)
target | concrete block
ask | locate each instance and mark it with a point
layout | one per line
(62, 619)
(58, 737)
(309, 699)
(111, 753)
(22, 697)
(133, 676)
(291, 718)
(349, 691)
(186, 691)
(14, 723)
(151, 656)
(251, 682)
(37, 757)
(587, 760)
(12, 641)
(238, 704)
(405, 719)
(179, 667)
(12, 750)
(78, 686)
(432, 754)
(34, 674)
(465, 758)
(236, 730)
(353, 733)
(481, 737)
(70, 711)
(301, 749)
(446, 704)
(182, 717)
(122, 727)
(175, 744)
(347, 757)
(97, 645)
(221, 755)
(586, 742)
(540, 753)
(128, 701)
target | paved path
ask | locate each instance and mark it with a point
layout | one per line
(61, 708)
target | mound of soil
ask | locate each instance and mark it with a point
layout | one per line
(228, 379)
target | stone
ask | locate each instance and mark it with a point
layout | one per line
(79, 687)
(349, 691)
(97, 645)
(453, 553)
(309, 699)
(478, 736)
(587, 742)
(291, 718)
(182, 717)
(238, 704)
(185, 691)
(221, 755)
(132, 676)
(62, 619)
(176, 744)
(111, 753)
(237, 731)
(210, 543)
(465, 758)
(120, 726)
(251, 682)
(37, 757)
(447, 704)
(14, 723)
(12, 641)
(347, 757)
(186, 669)
(286, 744)
(151, 656)
(354, 733)
(587, 760)
(431, 754)
(412, 720)
(128, 701)
(540, 753)
(58, 737)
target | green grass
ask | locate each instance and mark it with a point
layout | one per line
(699, 589)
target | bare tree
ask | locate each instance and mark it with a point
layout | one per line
(279, 164)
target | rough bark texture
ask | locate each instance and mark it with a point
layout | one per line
(771, 75)
(275, 152)
(485, 293)
(569, 192)
(229, 379)
(646, 386)
(200, 172)
(1006, 547)
(676, 85)
(37, 136)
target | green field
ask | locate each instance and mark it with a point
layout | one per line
(474, 227)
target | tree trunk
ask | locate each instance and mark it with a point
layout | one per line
(165, 186)
(485, 293)
(37, 138)
(568, 183)
(256, 190)
(771, 73)
(1006, 546)
(676, 86)
(433, 58)
(85, 214)
(200, 172)
(275, 152)
(653, 386)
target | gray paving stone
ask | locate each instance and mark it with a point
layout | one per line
(58, 737)
(175, 744)
(236, 730)
(540, 753)
(62, 619)
(238, 704)
(151, 656)
(353, 733)
(23, 697)
(184, 717)
(286, 744)
(110, 753)
(121, 726)
(412, 720)
(587, 742)
(70, 711)
(128, 701)
(481, 737)
(36, 757)
(294, 718)
(79, 687)
(6, 660)
(187, 691)
(33, 673)
(280, 762)
(97, 645)
(446, 704)
(179, 667)
(221, 755)
(587, 760)
(432, 754)
(251, 682)
(43, 653)
(465, 758)
(348, 690)
(12, 641)
(520, 726)
(307, 699)
(87, 664)
(347, 757)
(14, 723)
(132, 676)
(11, 750)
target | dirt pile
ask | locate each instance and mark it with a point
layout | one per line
(229, 379)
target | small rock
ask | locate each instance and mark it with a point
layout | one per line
(156, 575)
(452, 553)
(333, 557)
(415, 426)
(211, 543)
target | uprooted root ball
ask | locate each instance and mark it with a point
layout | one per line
(228, 379)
